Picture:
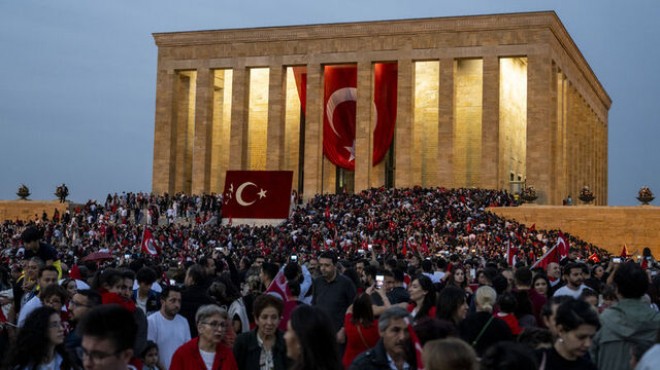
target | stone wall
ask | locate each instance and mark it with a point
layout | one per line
(607, 227)
(27, 209)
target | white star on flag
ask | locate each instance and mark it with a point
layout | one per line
(351, 150)
(262, 194)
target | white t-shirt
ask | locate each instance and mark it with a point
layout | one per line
(31, 305)
(168, 334)
(565, 290)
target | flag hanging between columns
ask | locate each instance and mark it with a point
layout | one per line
(339, 119)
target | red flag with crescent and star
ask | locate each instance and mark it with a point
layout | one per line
(339, 118)
(148, 243)
(257, 195)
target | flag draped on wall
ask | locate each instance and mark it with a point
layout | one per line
(385, 93)
(257, 195)
(340, 98)
(339, 112)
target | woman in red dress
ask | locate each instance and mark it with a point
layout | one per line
(361, 328)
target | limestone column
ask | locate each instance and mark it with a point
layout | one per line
(403, 130)
(201, 165)
(446, 123)
(313, 132)
(539, 159)
(491, 164)
(276, 123)
(164, 137)
(363, 127)
(555, 196)
(183, 137)
(239, 117)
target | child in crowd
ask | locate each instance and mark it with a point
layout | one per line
(150, 357)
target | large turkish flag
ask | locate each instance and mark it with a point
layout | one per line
(257, 195)
(385, 90)
(339, 115)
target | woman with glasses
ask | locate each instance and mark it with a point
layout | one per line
(207, 351)
(40, 343)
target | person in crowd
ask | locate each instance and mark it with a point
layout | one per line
(333, 293)
(458, 279)
(167, 328)
(108, 336)
(541, 285)
(574, 279)
(529, 302)
(422, 296)
(79, 305)
(449, 354)
(507, 304)
(482, 328)
(150, 357)
(311, 340)
(509, 355)
(194, 295)
(553, 272)
(394, 348)
(71, 286)
(207, 351)
(396, 292)
(47, 276)
(629, 322)
(549, 312)
(597, 278)
(40, 343)
(146, 298)
(31, 238)
(576, 323)
(452, 306)
(264, 347)
(651, 358)
(361, 328)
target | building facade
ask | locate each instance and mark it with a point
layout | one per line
(487, 101)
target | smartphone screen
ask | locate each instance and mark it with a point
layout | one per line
(380, 280)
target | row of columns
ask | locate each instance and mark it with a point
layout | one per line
(549, 145)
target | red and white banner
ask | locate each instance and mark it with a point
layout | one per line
(148, 243)
(279, 287)
(340, 99)
(385, 93)
(250, 196)
(339, 118)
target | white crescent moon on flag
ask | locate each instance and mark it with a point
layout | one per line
(239, 194)
(151, 248)
(339, 96)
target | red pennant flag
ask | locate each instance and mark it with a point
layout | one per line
(624, 251)
(148, 245)
(594, 257)
(340, 115)
(257, 195)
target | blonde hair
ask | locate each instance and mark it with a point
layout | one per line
(486, 298)
(449, 354)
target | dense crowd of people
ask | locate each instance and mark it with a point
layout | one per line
(354, 281)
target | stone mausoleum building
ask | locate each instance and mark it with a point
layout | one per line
(485, 101)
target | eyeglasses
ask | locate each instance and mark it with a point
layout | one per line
(216, 324)
(95, 356)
